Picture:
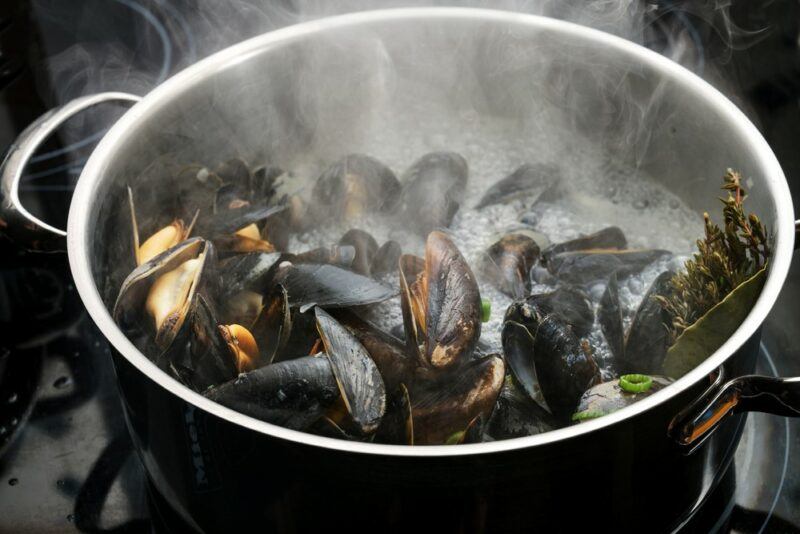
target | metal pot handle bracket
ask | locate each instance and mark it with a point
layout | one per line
(750, 393)
(15, 220)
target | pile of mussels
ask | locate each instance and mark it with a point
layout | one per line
(219, 302)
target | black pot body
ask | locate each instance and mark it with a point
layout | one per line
(220, 476)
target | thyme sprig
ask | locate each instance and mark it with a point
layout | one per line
(725, 258)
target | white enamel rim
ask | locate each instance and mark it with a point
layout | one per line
(78, 227)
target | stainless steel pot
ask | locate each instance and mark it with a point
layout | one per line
(320, 87)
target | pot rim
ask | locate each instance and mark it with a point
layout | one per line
(79, 227)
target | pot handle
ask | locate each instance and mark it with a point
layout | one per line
(751, 393)
(797, 234)
(16, 221)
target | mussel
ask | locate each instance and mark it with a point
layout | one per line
(355, 185)
(365, 249)
(242, 346)
(541, 349)
(643, 348)
(509, 261)
(327, 286)
(360, 383)
(162, 289)
(609, 315)
(211, 361)
(163, 239)
(528, 181)
(370, 259)
(246, 272)
(448, 404)
(237, 230)
(297, 392)
(588, 266)
(570, 303)
(611, 237)
(236, 173)
(395, 364)
(517, 415)
(339, 255)
(397, 426)
(441, 303)
(433, 189)
(273, 325)
(386, 258)
(292, 393)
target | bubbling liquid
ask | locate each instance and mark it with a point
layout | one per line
(598, 193)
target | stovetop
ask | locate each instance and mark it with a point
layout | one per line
(66, 461)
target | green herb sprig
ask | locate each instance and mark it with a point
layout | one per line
(725, 258)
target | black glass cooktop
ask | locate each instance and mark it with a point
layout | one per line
(66, 461)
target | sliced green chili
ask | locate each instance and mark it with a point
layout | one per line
(587, 414)
(635, 383)
(486, 310)
(455, 438)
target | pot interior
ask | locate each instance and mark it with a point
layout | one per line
(397, 87)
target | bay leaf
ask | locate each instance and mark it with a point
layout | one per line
(710, 331)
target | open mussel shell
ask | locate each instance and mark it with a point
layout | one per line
(509, 261)
(328, 286)
(448, 404)
(608, 397)
(394, 362)
(453, 303)
(162, 238)
(528, 181)
(588, 266)
(611, 237)
(359, 380)
(609, 315)
(355, 185)
(397, 426)
(211, 361)
(160, 291)
(518, 346)
(433, 189)
(273, 326)
(292, 393)
(648, 336)
(365, 249)
(542, 350)
(413, 302)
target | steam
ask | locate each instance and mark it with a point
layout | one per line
(161, 37)
(174, 33)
